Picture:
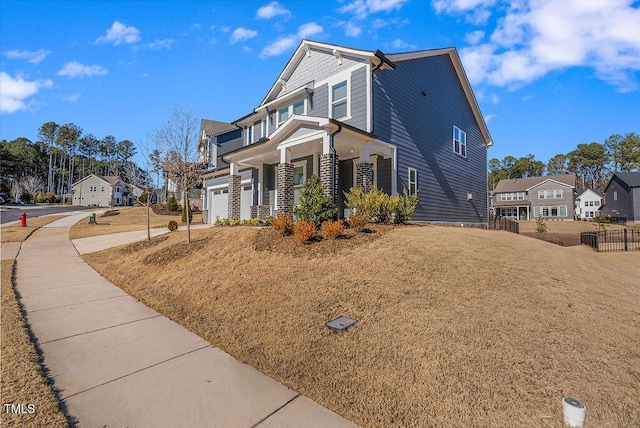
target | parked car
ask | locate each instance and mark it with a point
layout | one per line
(4, 198)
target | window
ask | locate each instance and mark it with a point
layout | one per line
(615, 195)
(560, 211)
(283, 114)
(516, 196)
(550, 194)
(339, 100)
(263, 128)
(298, 108)
(249, 135)
(459, 142)
(299, 173)
(558, 193)
(102, 189)
(413, 181)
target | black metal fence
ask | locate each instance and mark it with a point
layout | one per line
(501, 223)
(612, 240)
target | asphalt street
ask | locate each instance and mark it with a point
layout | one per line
(10, 213)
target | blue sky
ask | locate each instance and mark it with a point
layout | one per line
(548, 75)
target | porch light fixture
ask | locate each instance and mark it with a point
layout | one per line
(340, 324)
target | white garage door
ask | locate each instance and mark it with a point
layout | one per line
(219, 203)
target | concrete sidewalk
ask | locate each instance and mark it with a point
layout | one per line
(118, 363)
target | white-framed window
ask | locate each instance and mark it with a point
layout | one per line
(615, 195)
(514, 196)
(550, 194)
(339, 94)
(283, 115)
(560, 211)
(249, 135)
(117, 189)
(299, 177)
(299, 107)
(412, 180)
(459, 141)
(263, 128)
(101, 190)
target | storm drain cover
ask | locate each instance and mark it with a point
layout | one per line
(341, 324)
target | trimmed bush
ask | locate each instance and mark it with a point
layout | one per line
(187, 209)
(357, 222)
(283, 224)
(375, 204)
(403, 207)
(26, 197)
(304, 231)
(173, 225)
(172, 203)
(541, 225)
(315, 207)
(331, 229)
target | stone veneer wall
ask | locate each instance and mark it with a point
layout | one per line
(364, 176)
(325, 175)
(234, 196)
(285, 188)
(260, 211)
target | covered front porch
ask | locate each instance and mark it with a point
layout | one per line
(516, 212)
(266, 178)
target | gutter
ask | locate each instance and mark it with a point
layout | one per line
(332, 147)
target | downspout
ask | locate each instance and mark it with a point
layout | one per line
(332, 147)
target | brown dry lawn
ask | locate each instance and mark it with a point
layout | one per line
(21, 378)
(17, 233)
(566, 233)
(128, 219)
(457, 326)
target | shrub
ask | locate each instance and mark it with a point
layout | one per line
(601, 222)
(172, 203)
(304, 231)
(357, 222)
(315, 207)
(143, 198)
(331, 229)
(282, 224)
(187, 209)
(403, 207)
(541, 225)
(374, 204)
(173, 225)
(218, 222)
(26, 197)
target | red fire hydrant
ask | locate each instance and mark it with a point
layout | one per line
(23, 219)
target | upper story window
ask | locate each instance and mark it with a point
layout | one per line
(117, 189)
(249, 135)
(413, 181)
(263, 128)
(550, 194)
(339, 100)
(615, 195)
(284, 113)
(459, 142)
(514, 196)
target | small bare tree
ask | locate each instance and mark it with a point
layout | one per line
(176, 140)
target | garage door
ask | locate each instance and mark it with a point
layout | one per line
(219, 203)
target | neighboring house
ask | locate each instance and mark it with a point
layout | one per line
(355, 118)
(588, 202)
(622, 196)
(550, 197)
(171, 188)
(101, 191)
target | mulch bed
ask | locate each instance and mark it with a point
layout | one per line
(162, 210)
(269, 240)
(140, 245)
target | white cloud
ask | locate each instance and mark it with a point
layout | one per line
(272, 10)
(159, 44)
(76, 69)
(119, 34)
(351, 29)
(474, 37)
(363, 8)
(34, 57)
(308, 30)
(241, 34)
(488, 117)
(14, 92)
(71, 98)
(401, 44)
(285, 43)
(534, 38)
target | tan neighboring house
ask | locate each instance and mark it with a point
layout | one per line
(101, 191)
(550, 197)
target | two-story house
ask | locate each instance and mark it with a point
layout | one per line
(588, 202)
(101, 191)
(355, 118)
(550, 197)
(622, 196)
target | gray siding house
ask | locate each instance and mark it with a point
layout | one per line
(101, 191)
(550, 197)
(355, 118)
(622, 196)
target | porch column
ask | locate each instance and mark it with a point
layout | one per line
(284, 183)
(326, 160)
(234, 192)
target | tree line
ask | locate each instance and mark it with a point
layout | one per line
(63, 155)
(592, 163)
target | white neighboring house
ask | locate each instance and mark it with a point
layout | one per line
(588, 203)
(100, 191)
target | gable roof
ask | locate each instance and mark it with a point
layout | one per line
(597, 192)
(214, 127)
(631, 178)
(109, 179)
(523, 184)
